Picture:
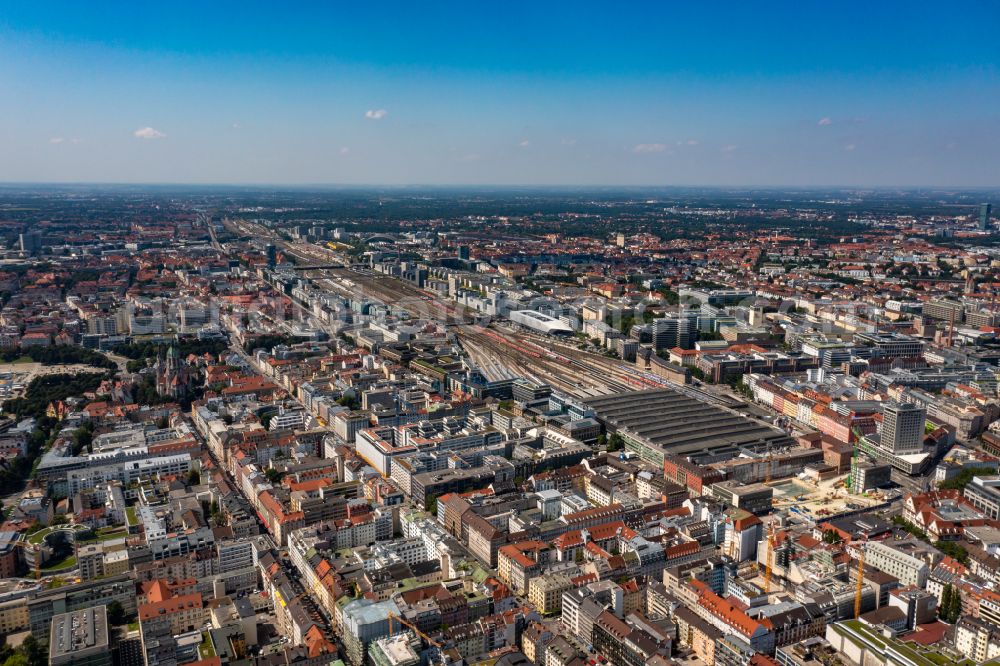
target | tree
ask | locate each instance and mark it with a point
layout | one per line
(671, 297)
(953, 550)
(83, 438)
(950, 609)
(615, 442)
(911, 528)
(955, 606)
(959, 482)
(273, 475)
(349, 401)
(16, 659)
(194, 478)
(35, 653)
(945, 603)
(116, 614)
(268, 342)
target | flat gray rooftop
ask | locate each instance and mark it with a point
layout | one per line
(683, 425)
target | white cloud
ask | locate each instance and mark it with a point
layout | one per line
(376, 114)
(471, 157)
(344, 150)
(824, 121)
(850, 146)
(237, 126)
(148, 133)
(524, 144)
(649, 148)
(689, 142)
(568, 142)
(730, 148)
(56, 139)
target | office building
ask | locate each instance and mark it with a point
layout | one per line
(944, 310)
(903, 428)
(985, 210)
(888, 558)
(30, 242)
(675, 330)
(755, 498)
(47, 604)
(80, 638)
(890, 345)
(984, 493)
(867, 476)
(363, 621)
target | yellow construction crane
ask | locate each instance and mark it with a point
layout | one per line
(861, 582)
(24, 545)
(731, 546)
(769, 567)
(769, 462)
(393, 616)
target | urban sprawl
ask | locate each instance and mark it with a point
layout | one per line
(455, 429)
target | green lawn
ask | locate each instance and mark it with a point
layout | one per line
(64, 563)
(105, 536)
(205, 649)
(915, 653)
(36, 538)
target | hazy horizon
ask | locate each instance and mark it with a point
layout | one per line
(567, 187)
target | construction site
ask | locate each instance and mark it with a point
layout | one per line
(817, 501)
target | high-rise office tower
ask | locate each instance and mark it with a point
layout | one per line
(903, 427)
(985, 210)
(31, 242)
(677, 329)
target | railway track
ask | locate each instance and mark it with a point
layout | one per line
(578, 377)
(508, 353)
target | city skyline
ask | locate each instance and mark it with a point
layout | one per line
(789, 96)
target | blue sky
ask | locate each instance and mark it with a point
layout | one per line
(797, 93)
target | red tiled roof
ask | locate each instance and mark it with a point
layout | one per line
(727, 612)
(151, 610)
